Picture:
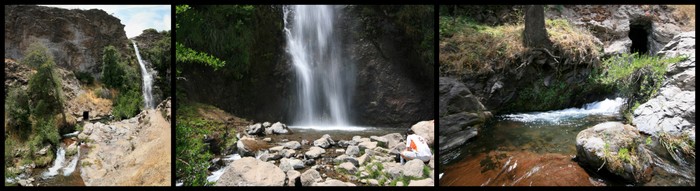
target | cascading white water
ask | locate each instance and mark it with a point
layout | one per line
(324, 81)
(147, 80)
(605, 107)
(57, 164)
(71, 166)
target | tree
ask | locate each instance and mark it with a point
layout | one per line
(535, 33)
(36, 55)
(112, 72)
(44, 89)
(17, 107)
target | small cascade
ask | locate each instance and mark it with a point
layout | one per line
(57, 164)
(147, 80)
(71, 166)
(609, 107)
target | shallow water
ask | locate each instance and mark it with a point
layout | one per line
(542, 144)
(65, 173)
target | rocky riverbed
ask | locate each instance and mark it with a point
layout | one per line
(275, 155)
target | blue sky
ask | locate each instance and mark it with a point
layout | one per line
(136, 18)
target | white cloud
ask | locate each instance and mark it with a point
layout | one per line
(136, 18)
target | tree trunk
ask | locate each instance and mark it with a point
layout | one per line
(535, 33)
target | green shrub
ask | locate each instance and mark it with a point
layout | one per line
(127, 104)
(84, 77)
(17, 107)
(45, 90)
(113, 72)
(192, 158)
(37, 54)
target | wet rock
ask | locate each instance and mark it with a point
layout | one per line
(266, 124)
(424, 182)
(310, 177)
(614, 146)
(352, 151)
(255, 129)
(244, 149)
(72, 149)
(292, 145)
(456, 139)
(426, 130)
(249, 171)
(413, 168)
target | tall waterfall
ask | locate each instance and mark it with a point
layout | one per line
(325, 80)
(147, 80)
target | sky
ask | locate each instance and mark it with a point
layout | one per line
(136, 18)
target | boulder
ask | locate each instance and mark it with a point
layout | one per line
(393, 139)
(381, 141)
(310, 177)
(286, 153)
(424, 182)
(367, 145)
(255, 129)
(266, 124)
(244, 149)
(349, 167)
(279, 128)
(324, 142)
(352, 151)
(314, 152)
(619, 47)
(292, 145)
(72, 149)
(293, 177)
(454, 140)
(615, 147)
(672, 111)
(426, 130)
(43, 150)
(276, 149)
(249, 171)
(413, 168)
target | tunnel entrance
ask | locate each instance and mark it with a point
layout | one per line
(639, 34)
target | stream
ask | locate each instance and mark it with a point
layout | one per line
(527, 149)
(63, 171)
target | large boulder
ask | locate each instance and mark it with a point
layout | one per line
(413, 168)
(615, 147)
(292, 145)
(255, 129)
(426, 130)
(461, 114)
(279, 128)
(424, 182)
(672, 111)
(393, 139)
(249, 171)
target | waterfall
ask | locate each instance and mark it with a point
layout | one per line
(325, 80)
(147, 80)
(73, 163)
(605, 107)
(57, 164)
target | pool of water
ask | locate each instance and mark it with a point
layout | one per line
(538, 149)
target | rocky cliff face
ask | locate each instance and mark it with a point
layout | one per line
(391, 89)
(76, 38)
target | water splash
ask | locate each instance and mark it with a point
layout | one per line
(57, 164)
(324, 80)
(73, 163)
(147, 80)
(605, 107)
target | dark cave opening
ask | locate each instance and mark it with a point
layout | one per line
(639, 34)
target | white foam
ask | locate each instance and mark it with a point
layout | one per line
(216, 175)
(57, 164)
(331, 128)
(71, 166)
(605, 107)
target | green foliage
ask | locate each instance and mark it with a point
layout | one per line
(191, 163)
(127, 104)
(187, 55)
(84, 77)
(216, 36)
(113, 72)
(17, 108)
(648, 140)
(45, 92)
(37, 54)
(623, 154)
(636, 77)
(556, 96)
(426, 171)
